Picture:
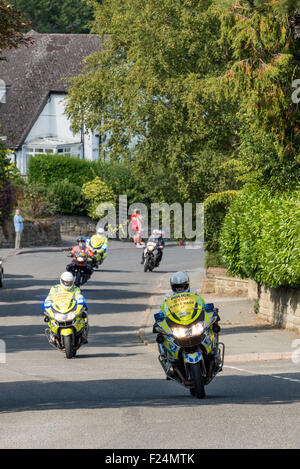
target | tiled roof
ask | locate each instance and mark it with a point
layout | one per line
(31, 73)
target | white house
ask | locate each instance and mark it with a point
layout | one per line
(32, 107)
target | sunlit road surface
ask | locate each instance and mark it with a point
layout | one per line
(114, 393)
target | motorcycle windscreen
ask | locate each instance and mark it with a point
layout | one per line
(64, 302)
(183, 308)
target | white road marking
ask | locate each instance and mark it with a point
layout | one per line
(262, 374)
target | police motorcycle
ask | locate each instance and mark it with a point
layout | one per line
(153, 252)
(81, 268)
(149, 256)
(81, 265)
(98, 244)
(67, 321)
(188, 342)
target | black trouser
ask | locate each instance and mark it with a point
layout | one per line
(158, 256)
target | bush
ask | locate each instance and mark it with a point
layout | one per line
(260, 237)
(97, 192)
(48, 169)
(36, 203)
(67, 197)
(215, 208)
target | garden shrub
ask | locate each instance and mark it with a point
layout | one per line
(97, 192)
(215, 208)
(36, 203)
(260, 237)
(67, 197)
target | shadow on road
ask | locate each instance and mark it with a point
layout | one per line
(154, 393)
(31, 338)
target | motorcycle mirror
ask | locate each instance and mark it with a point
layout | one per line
(159, 316)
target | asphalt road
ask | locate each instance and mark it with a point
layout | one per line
(113, 394)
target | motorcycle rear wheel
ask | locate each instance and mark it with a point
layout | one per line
(68, 346)
(197, 389)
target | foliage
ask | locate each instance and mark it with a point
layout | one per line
(119, 176)
(264, 38)
(67, 197)
(56, 16)
(152, 92)
(48, 170)
(12, 25)
(213, 259)
(36, 203)
(215, 209)
(7, 176)
(97, 192)
(260, 237)
(6, 200)
(4, 164)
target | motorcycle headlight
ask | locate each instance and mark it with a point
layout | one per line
(150, 248)
(60, 317)
(80, 259)
(182, 332)
(179, 332)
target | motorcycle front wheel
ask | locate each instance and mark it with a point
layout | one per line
(197, 389)
(68, 346)
(77, 280)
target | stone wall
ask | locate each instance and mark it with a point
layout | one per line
(224, 285)
(279, 306)
(42, 233)
(76, 225)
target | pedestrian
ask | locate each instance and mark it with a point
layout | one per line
(19, 226)
(136, 225)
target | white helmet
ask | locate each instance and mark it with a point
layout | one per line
(180, 282)
(67, 280)
(100, 231)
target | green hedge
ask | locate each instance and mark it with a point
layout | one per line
(215, 208)
(49, 169)
(67, 197)
(260, 237)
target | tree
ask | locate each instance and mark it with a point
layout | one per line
(264, 37)
(152, 92)
(57, 16)
(12, 27)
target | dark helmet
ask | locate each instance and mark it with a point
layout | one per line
(81, 239)
(180, 282)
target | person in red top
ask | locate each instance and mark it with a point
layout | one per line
(136, 225)
(82, 247)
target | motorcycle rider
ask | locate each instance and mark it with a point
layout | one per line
(84, 250)
(66, 285)
(180, 283)
(98, 243)
(157, 238)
